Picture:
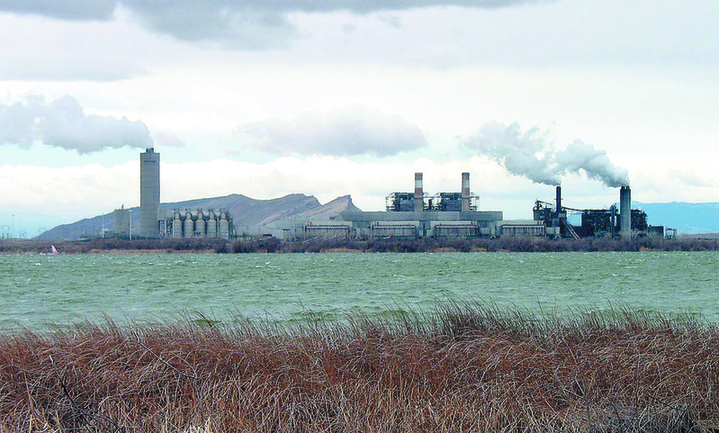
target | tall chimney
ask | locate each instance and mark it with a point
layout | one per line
(465, 192)
(625, 212)
(149, 193)
(418, 193)
(559, 199)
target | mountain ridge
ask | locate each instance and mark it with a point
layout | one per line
(245, 211)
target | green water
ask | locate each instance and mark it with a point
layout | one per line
(36, 290)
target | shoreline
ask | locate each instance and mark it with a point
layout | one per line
(343, 245)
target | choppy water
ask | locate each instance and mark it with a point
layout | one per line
(36, 290)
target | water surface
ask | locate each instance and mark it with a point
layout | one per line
(39, 289)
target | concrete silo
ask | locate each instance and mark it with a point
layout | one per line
(122, 221)
(189, 227)
(149, 193)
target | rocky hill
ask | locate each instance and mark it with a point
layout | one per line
(246, 211)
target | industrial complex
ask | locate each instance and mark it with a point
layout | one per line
(413, 214)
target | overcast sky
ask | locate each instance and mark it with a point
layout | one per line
(332, 98)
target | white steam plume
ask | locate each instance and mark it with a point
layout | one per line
(63, 123)
(528, 154)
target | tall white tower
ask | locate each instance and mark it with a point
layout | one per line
(625, 212)
(149, 193)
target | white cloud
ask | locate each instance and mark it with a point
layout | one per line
(63, 123)
(167, 138)
(355, 130)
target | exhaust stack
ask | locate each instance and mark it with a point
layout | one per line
(465, 192)
(559, 200)
(149, 194)
(418, 193)
(625, 212)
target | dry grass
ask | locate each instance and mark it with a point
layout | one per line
(458, 369)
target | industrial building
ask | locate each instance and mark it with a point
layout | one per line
(418, 215)
(122, 221)
(407, 215)
(150, 194)
(625, 222)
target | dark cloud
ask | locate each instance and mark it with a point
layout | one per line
(63, 123)
(355, 130)
(248, 24)
(74, 10)
(529, 154)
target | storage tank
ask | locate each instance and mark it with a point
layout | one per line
(189, 226)
(177, 225)
(224, 226)
(200, 224)
(211, 225)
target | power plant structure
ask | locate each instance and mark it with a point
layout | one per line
(198, 223)
(122, 221)
(625, 221)
(150, 194)
(418, 215)
(409, 214)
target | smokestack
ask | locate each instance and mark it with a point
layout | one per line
(625, 212)
(559, 199)
(418, 193)
(149, 193)
(465, 192)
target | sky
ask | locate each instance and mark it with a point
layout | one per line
(330, 98)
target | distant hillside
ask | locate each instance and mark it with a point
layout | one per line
(685, 217)
(245, 211)
(248, 211)
(330, 210)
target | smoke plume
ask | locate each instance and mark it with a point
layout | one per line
(528, 154)
(63, 123)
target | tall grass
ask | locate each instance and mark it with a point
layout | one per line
(458, 368)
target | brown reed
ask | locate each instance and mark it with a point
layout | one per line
(458, 368)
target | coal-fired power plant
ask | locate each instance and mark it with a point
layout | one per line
(149, 194)
(625, 222)
(410, 214)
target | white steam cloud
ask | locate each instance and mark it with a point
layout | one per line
(528, 154)
(63, 123)
(354, 130)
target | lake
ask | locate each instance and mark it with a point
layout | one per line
(37, 290)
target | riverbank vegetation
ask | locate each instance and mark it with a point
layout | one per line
(316, 245)
(459, 368)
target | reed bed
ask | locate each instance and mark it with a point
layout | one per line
(458, 368)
